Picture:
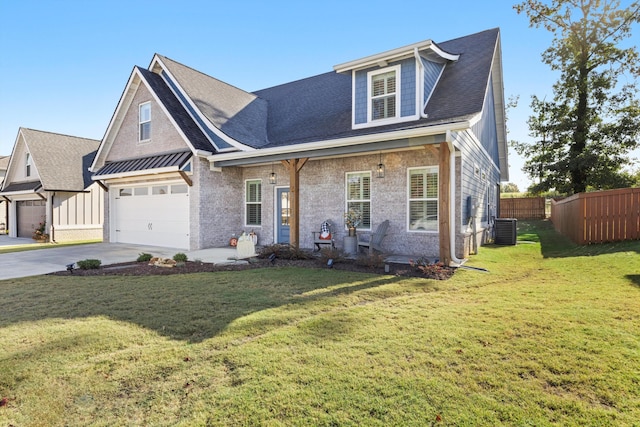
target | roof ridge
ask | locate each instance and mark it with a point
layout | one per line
(295, 81)
(58, 134)
(204, 74)
(470, 35)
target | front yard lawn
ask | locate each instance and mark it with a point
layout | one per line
(549, 336)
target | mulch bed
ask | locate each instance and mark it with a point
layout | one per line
(143, 269)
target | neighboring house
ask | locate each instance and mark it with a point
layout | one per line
(4, 205)
(48, 182)
(415, 135)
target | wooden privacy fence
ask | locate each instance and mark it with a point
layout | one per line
(523, 208)
(598, 217)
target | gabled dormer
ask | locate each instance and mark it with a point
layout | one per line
(394, 86)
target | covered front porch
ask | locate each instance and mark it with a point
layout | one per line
(314, 178)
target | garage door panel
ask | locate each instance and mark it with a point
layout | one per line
(30, 214)
(152, 219)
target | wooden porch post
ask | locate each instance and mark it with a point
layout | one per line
(294, 166)
(445, 226)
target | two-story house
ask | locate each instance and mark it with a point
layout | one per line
(48, 186)
(415, 135)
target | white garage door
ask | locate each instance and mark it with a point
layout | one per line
(156, 215)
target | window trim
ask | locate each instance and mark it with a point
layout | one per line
(398, 95)
(430, 169)
(27, 170)
(247, 202)
(140, 122)
(369, 200)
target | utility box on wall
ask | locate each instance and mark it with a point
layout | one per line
(506, 231)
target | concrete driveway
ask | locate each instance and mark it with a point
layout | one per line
(48, 260)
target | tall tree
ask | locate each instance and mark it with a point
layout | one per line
(583, 136)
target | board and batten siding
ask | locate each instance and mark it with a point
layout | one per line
(480, 177)
(485, 129)
(79, 216)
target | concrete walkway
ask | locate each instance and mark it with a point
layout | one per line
(48, 260)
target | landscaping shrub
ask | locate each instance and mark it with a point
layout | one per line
(144, 257)
(285, 252)
(370, 260)
(180, 257)
(426, 267)
(330, 253)
(89, 264)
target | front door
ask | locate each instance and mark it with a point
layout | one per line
(283, 212)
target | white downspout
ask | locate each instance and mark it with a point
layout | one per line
(453, 228)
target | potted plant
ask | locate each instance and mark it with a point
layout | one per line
(39, 235)
(352, 219)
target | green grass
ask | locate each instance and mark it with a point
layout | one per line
(549, 336)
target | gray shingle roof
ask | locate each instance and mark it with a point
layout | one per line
(62, 161)
(239, 114)
(460, 92)
(310, 109)
(319, 107)
(4, 163)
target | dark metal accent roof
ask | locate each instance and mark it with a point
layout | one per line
(22, 186)
(177, 111)
(145, 163)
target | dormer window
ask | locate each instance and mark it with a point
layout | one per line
(383, 93)
(144, 119)
(28, 166)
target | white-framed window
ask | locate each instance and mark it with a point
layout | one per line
(179, 189)
(253, 202)
(144, 120)
(423, 198)
(358, 196)
(28, 165)
(153, 190)
(383, 94)
(159, 190)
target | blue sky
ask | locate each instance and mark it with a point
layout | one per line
(65, 63)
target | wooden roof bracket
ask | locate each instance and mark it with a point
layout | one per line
(102, 185)
(186, 178)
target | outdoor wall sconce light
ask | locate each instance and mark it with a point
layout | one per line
(380, 169)
(273, 177)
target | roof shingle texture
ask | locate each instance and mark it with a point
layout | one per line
(238, 114)
(62, 161)
(319, 107)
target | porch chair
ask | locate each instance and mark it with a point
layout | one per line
(324, 236)
(374, 241)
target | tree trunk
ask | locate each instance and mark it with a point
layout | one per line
(578, 165)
